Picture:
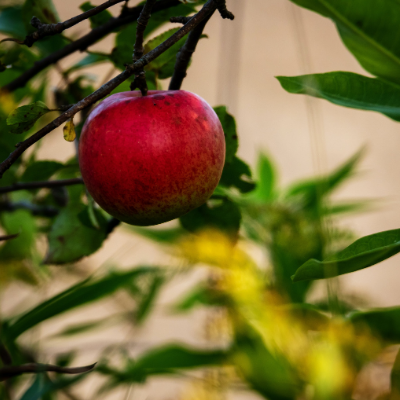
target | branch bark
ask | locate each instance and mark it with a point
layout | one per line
(84, 42)
(40, 185)
(107, 88)
(143, 20)
(11, 371)
(185, 54)
(44, 30)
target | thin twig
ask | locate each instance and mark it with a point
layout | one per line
(40, 185)
(84, 42)
(2, 239)
(44, 30)
(224, 11)
(185, 54)
(11, 370)
(104, 90)
(143, 20)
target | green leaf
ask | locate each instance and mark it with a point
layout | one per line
(384, 322)
(147, 299)
(11, 22)
(349, 90)
(395, 379)
(266, 182)
(89, 60)
(164, 65)
(229, 126)
(40, 171)
(269, 374)
(43, 386)
(98, 19)
(312, 191)
(23, 118)
(70, 240)
(166, 360)
(237, 174)
(369, 29)
(363, 253)
(78, 295)
(220, 214)
(158, 235)
(200, 296)
(42, 9)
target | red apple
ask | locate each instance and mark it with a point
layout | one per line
(148, 160)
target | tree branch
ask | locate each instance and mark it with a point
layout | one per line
(104, 90)
(130, 15)
(2, 239)
(11, 371)
(143, 20)
(224, 11)
(41, 184)
(44, 30)
(185, 54)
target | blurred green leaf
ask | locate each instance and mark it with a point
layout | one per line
(201, 295)
(165, 360)
(266, 179)
(237, 174)
(229, 126)
(98, 19)
(43, 386)
(69, 239)
(221, 214)
(268, 374)
(42, 9)
(23, 118)
(312, 191)
(159, 235)
(89, 60)
(11, 22)
(368, 28)
(384, 322)
(349, 90)
(41, 171)
(78, 295)
(363, 253)
(82, 328)
(147, 299)
(395, 379)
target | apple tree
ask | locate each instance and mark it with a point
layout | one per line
(275, 341)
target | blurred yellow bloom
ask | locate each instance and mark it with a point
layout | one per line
(7, 102)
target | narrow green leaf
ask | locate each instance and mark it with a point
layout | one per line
(70, 240)
(237, 174)
(349, 90)
(384, 322)
(23, 118)
(363, 253)
(313, 190)
(76, 296)
(229, 126)
(40, 171)
(266, 183)
(369, 29)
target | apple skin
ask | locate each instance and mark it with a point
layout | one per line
(148, 160)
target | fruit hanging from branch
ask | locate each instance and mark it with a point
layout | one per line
(147, 160)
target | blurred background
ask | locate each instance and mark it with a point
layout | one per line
(236, 66)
